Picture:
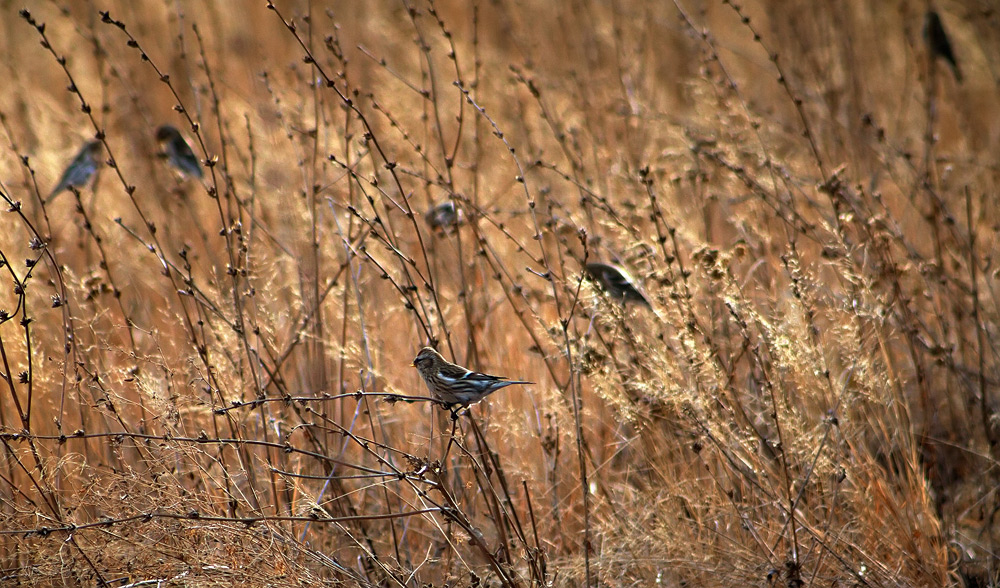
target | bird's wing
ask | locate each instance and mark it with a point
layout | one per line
(459, 374)
(77, 174)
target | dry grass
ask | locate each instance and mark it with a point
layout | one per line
(203, 382)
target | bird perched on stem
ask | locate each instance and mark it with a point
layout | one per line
(444, 217)
(937, 40)
(616, 282)
(178, 152)
(80, 170)
(453, 384)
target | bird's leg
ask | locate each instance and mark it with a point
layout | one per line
(451, 438)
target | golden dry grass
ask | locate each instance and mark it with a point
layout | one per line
(203, 382)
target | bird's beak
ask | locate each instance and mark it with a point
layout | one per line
(413, 364)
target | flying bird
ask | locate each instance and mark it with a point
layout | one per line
(616, 282)
(453, 384)
(178, 152)
(80, 170)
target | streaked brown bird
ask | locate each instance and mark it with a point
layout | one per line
(178, 152)
(938, 42)
(616, 282)
(80, 170)
(444, 217)
(453, 384)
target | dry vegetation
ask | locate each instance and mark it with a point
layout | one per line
(204, 382)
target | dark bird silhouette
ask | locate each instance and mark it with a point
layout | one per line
(444, 217)
(616, 282)
(178, 152)
(938, 42)
(80, 170)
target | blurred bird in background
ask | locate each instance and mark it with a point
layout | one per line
(178, 152)
(80, 170)
(938, 42)
(616, 282)
(444, 217)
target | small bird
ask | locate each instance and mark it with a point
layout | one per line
(178, 152)
(444, 217)
(453, 384)
(937, 40)
(80, 170)
(616, 282)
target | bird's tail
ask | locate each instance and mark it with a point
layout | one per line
(56, 192)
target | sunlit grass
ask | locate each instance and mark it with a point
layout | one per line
(207, 381)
